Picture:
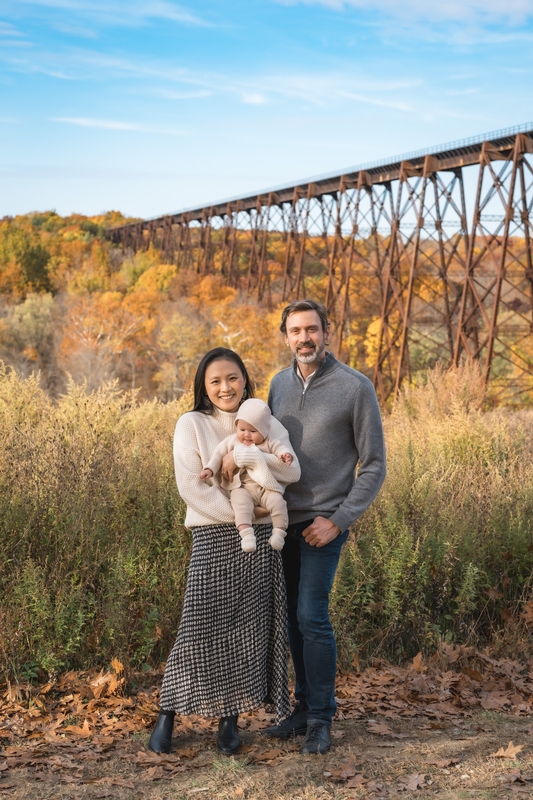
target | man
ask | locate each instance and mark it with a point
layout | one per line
(333, 419)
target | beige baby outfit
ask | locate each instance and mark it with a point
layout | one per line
(255, 486)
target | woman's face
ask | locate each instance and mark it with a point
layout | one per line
(224, 384)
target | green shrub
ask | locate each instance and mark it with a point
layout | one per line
(94, 555)
(453, 521)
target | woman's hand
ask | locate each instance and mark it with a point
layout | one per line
(260, 512)
(229, 467)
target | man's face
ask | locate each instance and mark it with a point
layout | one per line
(305, 336)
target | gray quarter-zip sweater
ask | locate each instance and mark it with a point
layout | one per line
(334, 426)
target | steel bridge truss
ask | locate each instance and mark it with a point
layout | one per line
(421, 259)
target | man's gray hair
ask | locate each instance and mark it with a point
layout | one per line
(304, 305)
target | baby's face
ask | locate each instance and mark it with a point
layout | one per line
(247, 434)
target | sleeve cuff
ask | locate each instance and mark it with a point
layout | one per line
(341, 520)
(246, 456)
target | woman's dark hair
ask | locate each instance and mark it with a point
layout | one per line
(201, 400)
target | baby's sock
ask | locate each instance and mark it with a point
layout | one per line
(277, 540)
(248, 543)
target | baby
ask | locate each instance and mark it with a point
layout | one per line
(253, 486)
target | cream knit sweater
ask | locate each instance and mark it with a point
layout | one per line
(195, 439)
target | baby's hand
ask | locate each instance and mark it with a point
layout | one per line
(205, 474)
(287, 458)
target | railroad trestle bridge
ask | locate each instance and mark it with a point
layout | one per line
(422, 258)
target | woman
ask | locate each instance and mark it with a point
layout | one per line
(230, 651)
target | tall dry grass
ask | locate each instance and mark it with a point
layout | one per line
(446, 551)
(93, 553)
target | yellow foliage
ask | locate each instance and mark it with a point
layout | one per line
(133, 268)
(157, 278)
(94, 274)
(372, 340)
(11, 279)
(211, 289)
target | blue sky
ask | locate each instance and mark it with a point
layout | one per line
(149, 106)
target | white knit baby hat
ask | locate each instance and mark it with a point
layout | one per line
(257, 414)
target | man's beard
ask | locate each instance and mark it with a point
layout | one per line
(312, 357)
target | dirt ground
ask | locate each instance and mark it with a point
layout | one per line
(458, 725)
(428, 759)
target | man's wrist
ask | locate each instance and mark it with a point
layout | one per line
(338, 522)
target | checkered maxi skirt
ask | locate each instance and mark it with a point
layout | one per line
(230, 654)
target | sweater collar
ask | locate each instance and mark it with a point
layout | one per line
(326, 365)
(225, 419)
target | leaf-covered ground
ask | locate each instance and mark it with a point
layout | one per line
(458, 726)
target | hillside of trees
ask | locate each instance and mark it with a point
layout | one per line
(73, 305)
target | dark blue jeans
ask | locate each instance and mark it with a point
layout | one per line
(309, 573)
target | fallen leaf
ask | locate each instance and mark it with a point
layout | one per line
(495, 701)
(344, 771)
(147, 757)
(187, 752)
(117, 782)
(417, 664)
(84, 731)
(117, 665)
(356, 782)
(527, 613)
(512, 777)
(255, 725)
(154, 774)
(506, 614)
(511, 751)
(442, 763)
(338, 734)
(411, 783)
(267, 755)
(472, 673)
(380, 728)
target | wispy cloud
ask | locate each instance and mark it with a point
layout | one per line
(163, 79)
(113, 12)
(6, 29)
(78, 31)
(14, 43)
(179, 83)
(117, 125)
(254, 99)
(171, 94)
(374, 101)
(514, 11)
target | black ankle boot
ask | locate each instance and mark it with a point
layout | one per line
(228, 741)
(161, 737)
